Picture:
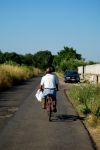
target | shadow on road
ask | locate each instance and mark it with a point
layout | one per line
(65, 118)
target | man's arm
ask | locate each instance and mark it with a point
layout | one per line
(41, 84)
(41, 87)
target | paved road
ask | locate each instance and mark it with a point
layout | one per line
(29, 128)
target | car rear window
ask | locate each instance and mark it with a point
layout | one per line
(71, 72)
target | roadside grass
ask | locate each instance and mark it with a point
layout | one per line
(14, 74)
(86, 99)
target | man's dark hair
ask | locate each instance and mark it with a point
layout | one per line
(49, 70)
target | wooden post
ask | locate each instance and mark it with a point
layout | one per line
(97, 79)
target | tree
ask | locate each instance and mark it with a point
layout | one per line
(65, 59)
(1, 57)
(14, 57)
(43, 59)
(69, 53)
(28, 60)
(71, 64)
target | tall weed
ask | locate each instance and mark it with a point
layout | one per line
(12, 74)
(86, 99)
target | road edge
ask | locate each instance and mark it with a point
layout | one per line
(89, 134)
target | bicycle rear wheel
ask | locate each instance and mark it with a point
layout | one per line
(50, 113)
(49, 107)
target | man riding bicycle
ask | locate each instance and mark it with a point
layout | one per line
(49, 85)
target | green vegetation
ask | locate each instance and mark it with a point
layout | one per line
(67, 58)
(15, 67)
(41, 59)
(86, 99)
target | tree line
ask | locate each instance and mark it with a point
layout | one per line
(67, 58)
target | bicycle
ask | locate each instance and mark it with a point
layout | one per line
(50, 104)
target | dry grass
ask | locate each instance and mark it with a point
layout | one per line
(10, 74)
(87, 105)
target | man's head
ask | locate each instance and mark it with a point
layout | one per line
(49, 70)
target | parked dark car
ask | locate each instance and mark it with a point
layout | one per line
(71, 76)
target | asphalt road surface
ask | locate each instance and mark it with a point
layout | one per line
(24, 124)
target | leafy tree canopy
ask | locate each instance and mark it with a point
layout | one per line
(43, 59)
(69, 53)
(65, 59)
(28, 59)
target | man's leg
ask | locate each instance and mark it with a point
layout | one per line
(55, 104)
(44, 103)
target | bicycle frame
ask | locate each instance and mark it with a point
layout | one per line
(50, 105)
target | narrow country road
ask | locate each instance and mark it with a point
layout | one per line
(29, 128)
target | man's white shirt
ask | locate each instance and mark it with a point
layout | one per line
(49, 81)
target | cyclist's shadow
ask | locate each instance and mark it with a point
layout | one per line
(65, 118)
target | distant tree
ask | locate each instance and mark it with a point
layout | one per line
(14, 57)
(1, 57)
(22, 58)
(65, 59)
(91, 63)
(71, 64)
(43, 59)
(69, 53)
(28, 59)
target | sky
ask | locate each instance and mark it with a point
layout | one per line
(28, 26)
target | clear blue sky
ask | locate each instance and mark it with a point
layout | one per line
(28, 26)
